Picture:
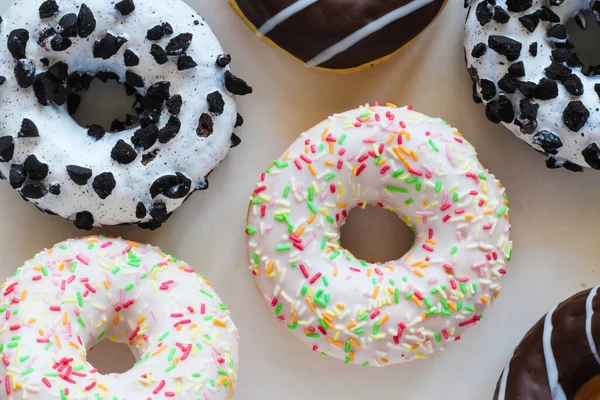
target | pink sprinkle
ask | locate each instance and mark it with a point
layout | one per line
(402, 124)
(297, 164)
(473, 176)
(81, 257)
(369, 140)
(445, 206)
(361, 169)
(448, 154)
(375, 314)
(487, 226)
(415, 172)
(314, 278)
(446, 217)
(306, 159)
(105, 245)
(304, 271)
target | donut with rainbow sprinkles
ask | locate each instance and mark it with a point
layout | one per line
(379, 313)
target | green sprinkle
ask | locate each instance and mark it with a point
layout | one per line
(199, 346)
(286, 191)
(63, 396)
(80, 320)
(24, 358)
(418, 185)
(195, 374)
(376, 328)
(455, 197)
(359, 331)
(453, 250)
(222, 307)
(474, 286)
(325, 281)
(330, 220)
(280, 164)
(342, 139)
(427, 302)
(3, 308)
(334, 255)
(129, 287)
(289, 222)
(365, 364)
(47, 346)
(482, 176)
(463, 288)
(79, 299)
(459, 306)
(438, 186)
(321, 147)
(256, 201)
(100, 335)
(502, 211)
(313, 335)
(469, 307)
(115, 270)
(397, 189)
(27, 371)
(363, 316)
(398, 173)
(311, 193)
(433, 146)
(51, 374)
(312, 207)
(171, 355)
(63, 247)
(170, 368)
(283, 247)
(396, 296)
(438, 337)
(222, 372)
(278, 309)
(323, 324)
(347, 361)
(377, 159)
(330, 176)
(293, 326)
(164, 336)
(347, 348)
(44, 270)
(74, 266)
(412, 179)
(255, 258)
(409, 201)
(446, 313)
(250, 230)
(304, 290)
(323, 242)
(204, 292)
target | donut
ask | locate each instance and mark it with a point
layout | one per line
(68, 298)
(559, 355)
(369, 313)
(527, 73)
(165, 55)
(338, 35)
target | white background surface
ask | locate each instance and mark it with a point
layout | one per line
(554, 215)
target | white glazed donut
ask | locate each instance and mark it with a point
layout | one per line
(66, 299)
(529, 76)
(166, 54)
(383, 313)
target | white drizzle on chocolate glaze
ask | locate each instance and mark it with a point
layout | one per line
(589, 313)
(283, 15)
(366, 31)
(551, 367)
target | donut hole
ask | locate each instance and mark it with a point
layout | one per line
(110, 357)
(589, 391)
(106, 104)
(586, 41)
(375, 234)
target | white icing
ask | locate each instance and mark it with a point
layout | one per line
(362, 302)
(589, 314)
(366, 31)
(494, 66)
(63, 142)
(283, 15)
(551, 368)
(106, 266)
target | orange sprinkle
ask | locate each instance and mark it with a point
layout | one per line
(426, 203)
(31, 320)
(468, 217)
(484, 299)
(102, 387)
(306, 149)
(91, 241)
(270, 267)
(335, 342)
(351, 325)
(220, 323)
(140, 320)
(64, 319)
(488, 212)
(106, 284)
(40, 332)
(384, 360)
(392, 105)
(375, 292)
(418, 272)
(179, 328)
(327, 316)
(74, 345)
(415, 346)
(382, 161)
(369, 271)
(351, 355)
(417, 301)
(354, 342)
(331, 148)
(335, 271)
(193, 326)
(404, 150)
(294, 316)
(300, 231)
(287, 155)
(160, 350)
(451, 305)
(414, 155)
(116, 319)
(134, 244)
(408, 136)
(384, 319)
(256, 272)
(340, 306)
(57, 342)
(324, 134)
(310, 304)
(329, 163)
(61, 266)
(340, 205)
(457, 134)
(24, 295)
(354, 169)
(408, 256)
(430, 241)
(311, 218)
(390, 138)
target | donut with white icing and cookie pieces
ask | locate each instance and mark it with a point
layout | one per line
(338, 35)
(527, 73)
(558, 357)
(67, 299)
(379, 313)
(166, 56)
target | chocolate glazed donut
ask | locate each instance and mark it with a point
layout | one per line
(338, 34)
(558, 356)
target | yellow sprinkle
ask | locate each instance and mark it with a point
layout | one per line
(391, 105)
(116, 319)
(408, 256)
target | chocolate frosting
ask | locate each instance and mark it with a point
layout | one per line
(573, 329)
(324, 23)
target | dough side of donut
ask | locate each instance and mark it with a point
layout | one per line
(558, 97)
(234, 5)
(192, 153)
(378, 313)
(66, 299)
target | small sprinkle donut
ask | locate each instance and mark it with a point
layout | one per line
(558, 358)
(527, 73)
(165, 55)
(67, 299)
(343, 36)
(379, 313)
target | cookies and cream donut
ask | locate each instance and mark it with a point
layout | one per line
(530, 79)
(339, 35)
(165, 54)
(68, 298)
(558, 358)
(379, 313)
